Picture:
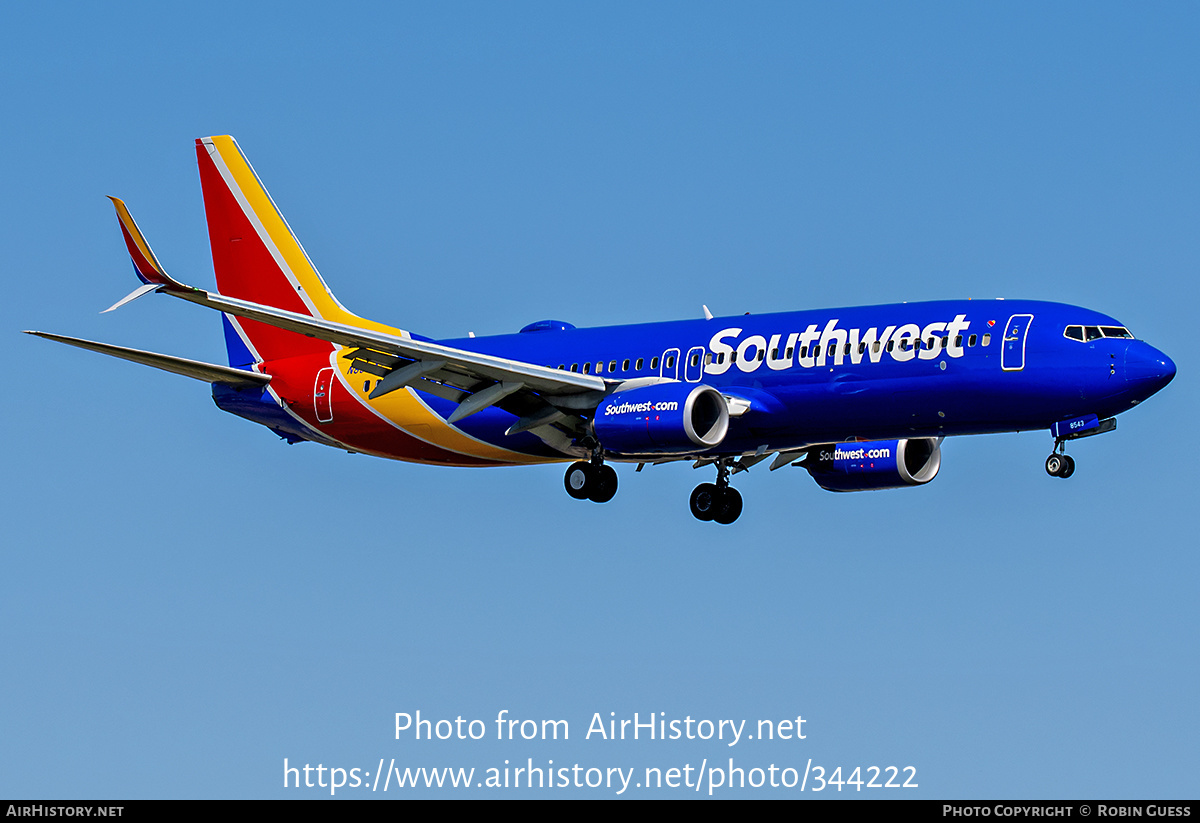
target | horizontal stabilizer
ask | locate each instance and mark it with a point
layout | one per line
(208, 372)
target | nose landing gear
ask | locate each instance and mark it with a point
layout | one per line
(1059, 463)
(718, 501)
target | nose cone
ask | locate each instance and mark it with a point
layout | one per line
(1147, 369)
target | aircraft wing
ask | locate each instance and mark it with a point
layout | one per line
(536, 394)
(208, 372)
(456, 365)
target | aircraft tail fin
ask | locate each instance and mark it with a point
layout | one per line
(257, 258)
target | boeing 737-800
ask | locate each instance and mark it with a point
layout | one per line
(860, 397)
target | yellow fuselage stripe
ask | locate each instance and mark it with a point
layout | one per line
(402, 408)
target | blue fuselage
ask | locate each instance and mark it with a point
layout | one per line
(876, 372)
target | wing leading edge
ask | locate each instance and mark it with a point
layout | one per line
(473, 380)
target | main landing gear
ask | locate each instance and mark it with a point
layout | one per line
(1059, 463)
(591, 480)
(717, 501)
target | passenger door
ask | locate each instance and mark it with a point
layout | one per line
(323, 396)
(1012, 353)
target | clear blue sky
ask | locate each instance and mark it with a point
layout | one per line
(187, 601)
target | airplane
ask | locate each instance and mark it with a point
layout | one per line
(862, 398)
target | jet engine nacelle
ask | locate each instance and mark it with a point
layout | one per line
(882, 464)
(662, 418)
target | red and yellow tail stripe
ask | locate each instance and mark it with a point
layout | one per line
(257, 257)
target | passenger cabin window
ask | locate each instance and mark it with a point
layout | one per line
(587, 368)
(671, 361)
(987, 339)
(638, 365)
(654, 363)
(612, 366)
(574, 367)
(971, 340)
(624, 365)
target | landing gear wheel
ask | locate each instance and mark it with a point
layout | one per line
(1068, 467)
(580, 480)
(729, 507)
(1054, 465)
(1060, 465)
(604, 484)
(704, 501)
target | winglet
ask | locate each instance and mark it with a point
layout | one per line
(145, 264)
(133, 295)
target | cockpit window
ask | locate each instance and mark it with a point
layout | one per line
(1087, 333)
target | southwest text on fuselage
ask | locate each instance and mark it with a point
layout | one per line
(818, 346)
